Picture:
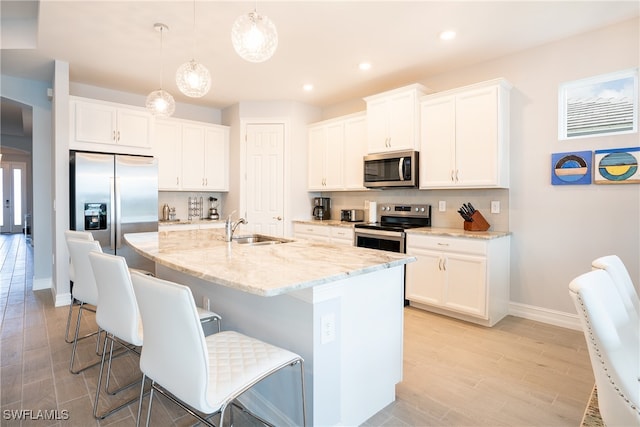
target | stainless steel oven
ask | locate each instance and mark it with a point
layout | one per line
(389, 233)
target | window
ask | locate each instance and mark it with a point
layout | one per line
(606, 104)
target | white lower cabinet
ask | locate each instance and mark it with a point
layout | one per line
(324, 233)
(467, 278)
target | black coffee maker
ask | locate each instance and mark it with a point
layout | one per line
(321, 208)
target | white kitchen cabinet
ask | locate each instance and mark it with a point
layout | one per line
(465, 137)
(99, 122)
(319, 233)
(393, 119)
(355, 148)
(192, 156)
(326, 157)
(335, 155)
(467, 278)
(168, 151)
(324, 233)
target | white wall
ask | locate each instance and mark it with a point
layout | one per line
(34, 93)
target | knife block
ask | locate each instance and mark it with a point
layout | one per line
(478, 223)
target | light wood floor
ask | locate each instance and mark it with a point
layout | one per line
(518, 373)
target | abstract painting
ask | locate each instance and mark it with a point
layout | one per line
(571, 168)
(617, 166)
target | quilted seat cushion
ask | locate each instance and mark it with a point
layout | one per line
(236, 360)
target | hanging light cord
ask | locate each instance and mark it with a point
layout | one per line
(161, 62)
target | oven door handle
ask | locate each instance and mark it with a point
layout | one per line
(376, 233)
(401, 168)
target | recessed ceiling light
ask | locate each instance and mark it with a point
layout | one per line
(448, 35)
(308, 87)
(364, 66)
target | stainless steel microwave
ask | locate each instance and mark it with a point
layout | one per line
(395, 169)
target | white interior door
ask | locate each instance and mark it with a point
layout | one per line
(13, 195)
(265, 178)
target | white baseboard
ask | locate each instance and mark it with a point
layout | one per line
(40, 284)
(61, 299)
(545, 315)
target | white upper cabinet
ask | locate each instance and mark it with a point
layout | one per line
(336, 149)
(465, 137)
(393, 119)
(192, 156)
(99, 122)
(168, 150)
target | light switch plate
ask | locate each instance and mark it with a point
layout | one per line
(442, 206)
(495, 206)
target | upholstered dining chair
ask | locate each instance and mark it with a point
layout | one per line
(79, 235)
(84, 287)
(613, 340)
(613, 265)
(204, 374)
(117, 314)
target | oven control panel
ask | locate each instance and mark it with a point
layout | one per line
(423, 211)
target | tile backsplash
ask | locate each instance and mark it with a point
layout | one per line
(180, 201)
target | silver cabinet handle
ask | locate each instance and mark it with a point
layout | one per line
(114, 135)
(118, 135)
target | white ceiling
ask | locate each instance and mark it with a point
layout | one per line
(113, 44)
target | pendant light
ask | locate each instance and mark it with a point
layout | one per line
(254, 37)
(160, 102)
(193, 79)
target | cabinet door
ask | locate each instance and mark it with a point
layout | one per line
(438, 143)
(334, 156)
(216, 158)
(193, 140)
(402, 121)
(355, 148)
(425, 277)
(477, 137)
(134, 128)
(317, 138)
(377, 126)
(466, 288)
(168, 149)
(94, 122)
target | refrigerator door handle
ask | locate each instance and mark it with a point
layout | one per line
(112, 217)
(118, 214)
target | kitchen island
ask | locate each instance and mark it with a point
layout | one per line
(339, 307)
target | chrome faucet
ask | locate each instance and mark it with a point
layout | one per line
(230, 227)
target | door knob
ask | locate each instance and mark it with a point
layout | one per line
(279, 218)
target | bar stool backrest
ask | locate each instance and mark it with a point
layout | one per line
(84, 285)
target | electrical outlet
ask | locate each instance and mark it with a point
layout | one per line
(495, 207)
(205, 303)
(442, 206)
(327, 328)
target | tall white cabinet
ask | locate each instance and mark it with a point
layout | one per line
(192, 156)
(465, 137)
(393, 119)
(462, 277)
(336, 149)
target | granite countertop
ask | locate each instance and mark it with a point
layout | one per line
(330, 222)
(432, 231)
(190, 221)
(265, 270)
(457, 232)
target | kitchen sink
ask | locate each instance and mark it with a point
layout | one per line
(259, 239)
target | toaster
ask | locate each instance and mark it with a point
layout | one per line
(352, 215)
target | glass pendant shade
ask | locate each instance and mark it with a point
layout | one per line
(161, 103)
(254, 37)
(193, 79)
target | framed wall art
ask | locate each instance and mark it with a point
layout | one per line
(617, 166)
(572, 168)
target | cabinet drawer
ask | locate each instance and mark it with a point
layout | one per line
(447, 244)
(344, 233)
(316, 230)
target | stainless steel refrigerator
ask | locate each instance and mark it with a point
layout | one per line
(111, 195)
